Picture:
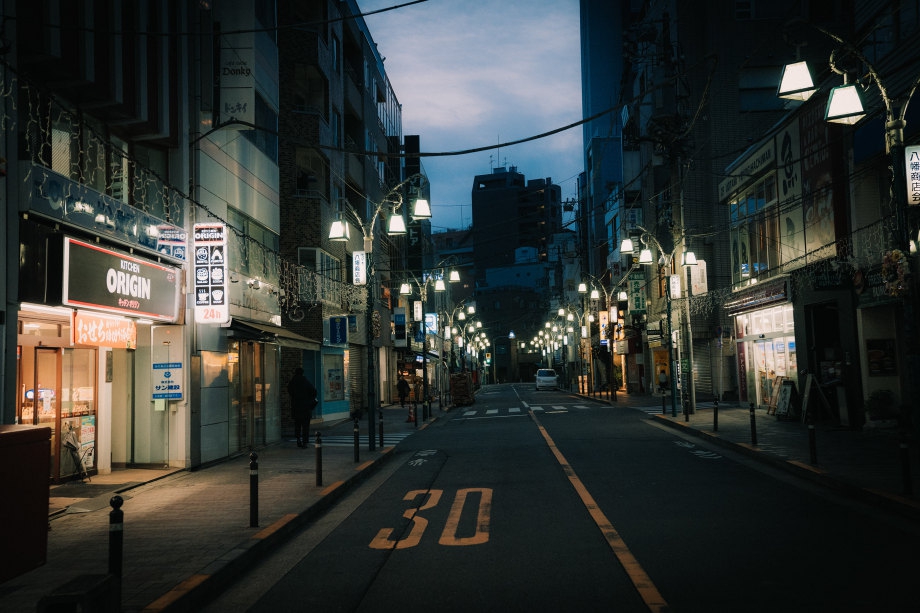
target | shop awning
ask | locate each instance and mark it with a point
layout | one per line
(273, 334)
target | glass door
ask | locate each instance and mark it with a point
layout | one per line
(248, 394)
(40, 398)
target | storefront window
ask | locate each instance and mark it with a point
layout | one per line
(333, 377)
(78, 410)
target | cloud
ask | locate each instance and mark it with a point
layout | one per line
(472, 73)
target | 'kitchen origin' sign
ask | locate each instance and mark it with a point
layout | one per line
(99, 278)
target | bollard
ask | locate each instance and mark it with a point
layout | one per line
(116, 544)
(357, 432)
(812, 444)
(905, 466)
(686, 403)
(664, 411)
(753, 427)
(380, 426)
(253, 491)
(715, 415)
(319, 459)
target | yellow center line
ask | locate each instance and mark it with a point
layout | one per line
(640, 579)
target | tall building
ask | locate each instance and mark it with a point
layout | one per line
(341, 160)
(172, 173)
(804, 235)
(123, 330)
(515, 221)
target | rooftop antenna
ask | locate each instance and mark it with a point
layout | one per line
(498, 152)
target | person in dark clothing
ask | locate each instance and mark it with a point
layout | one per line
(402, 388)
(303, 400)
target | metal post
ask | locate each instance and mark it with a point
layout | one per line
(753, 427)
(369, 324)
(319, 459)
(812, 443)
(715, 416)
(116, 543)
(253, 491)
(380, 426)
(673, 374)
(357, 432)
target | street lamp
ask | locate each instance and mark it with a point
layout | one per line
(405, 289)
(584, 317)
(339, 231)
(844, 105)
(666, 261)
(595, 298)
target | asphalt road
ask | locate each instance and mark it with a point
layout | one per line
(540, 501)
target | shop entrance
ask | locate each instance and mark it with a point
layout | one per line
(57, 390)
(248, 390)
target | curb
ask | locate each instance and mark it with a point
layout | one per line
(904, 506)
(199, 589)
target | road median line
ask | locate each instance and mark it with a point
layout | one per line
(640, 579)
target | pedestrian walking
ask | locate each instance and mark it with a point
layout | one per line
(662, 381)
(402, 390)
(303, 401)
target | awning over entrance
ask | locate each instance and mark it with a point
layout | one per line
(273, 334)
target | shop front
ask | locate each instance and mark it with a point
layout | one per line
(765, 343)
(84, 366)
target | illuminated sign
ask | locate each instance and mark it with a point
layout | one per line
(100, 278)
(101, 331)
(210, 261)
(359, 267)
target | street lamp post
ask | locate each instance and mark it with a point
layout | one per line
(595, 297)
(584, 317)
(667, 261)
(405, 289)
(844, 105)
(340, 231)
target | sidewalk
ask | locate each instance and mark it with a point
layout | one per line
(187, 534)
(866, 464)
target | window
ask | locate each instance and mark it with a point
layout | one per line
(311, 90)
(251, 246)
(321, 276)
(265, 137)
(755, 233)
(336, 52)
(311, 178)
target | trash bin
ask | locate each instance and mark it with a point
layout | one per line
(25, 454)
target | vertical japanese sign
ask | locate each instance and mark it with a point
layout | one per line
(912, 175)
(211, 304)
(637, 299)
(399, 327)
(338, 330)
(359, 267)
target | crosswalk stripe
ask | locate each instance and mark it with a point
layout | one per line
(492, 412)
(536, 408)
(389, 440)
(468, 413)
(514, 410)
